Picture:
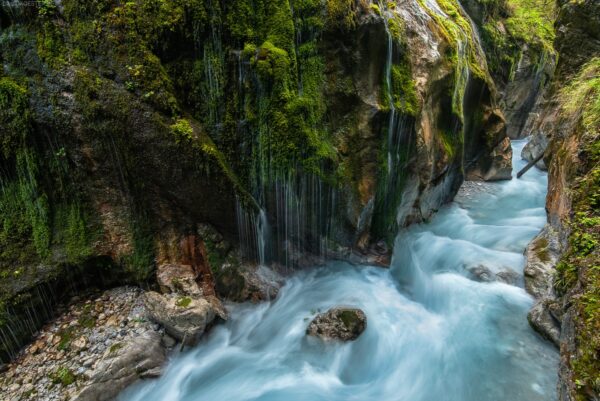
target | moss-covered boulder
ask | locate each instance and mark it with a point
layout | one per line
(339, 323)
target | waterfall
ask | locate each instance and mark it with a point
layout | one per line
(390, 97)
(262, 237)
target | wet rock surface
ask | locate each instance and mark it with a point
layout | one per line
(535, 147)
(92, 352)
(248, 283)
(543, 321)
(542, 256)
(340, 323)
(484, 274)
(183, 317)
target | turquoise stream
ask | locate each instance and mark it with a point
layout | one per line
(433, 334)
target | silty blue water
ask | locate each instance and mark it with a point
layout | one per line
(433, 333)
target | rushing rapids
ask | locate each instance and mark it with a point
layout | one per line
(433, 333)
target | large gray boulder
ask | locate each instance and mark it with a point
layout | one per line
(344, 324)
(183, 317)
(138, 358)
(248, 283)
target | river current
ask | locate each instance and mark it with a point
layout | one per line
(434, 332)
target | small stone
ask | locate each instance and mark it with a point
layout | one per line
(80, 343)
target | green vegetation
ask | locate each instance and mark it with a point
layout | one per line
(15, 116)
(540, 247)
(349, 318)
(86, 319)
(115, 347)
(465, 54)
(578, 272)
(182, 129)
(63, 376)
(510, 25)
(342, 13)
(184, 302)
(404, 92)
(66, 336)
(582, 97)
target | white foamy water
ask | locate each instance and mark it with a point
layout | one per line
(433, 334)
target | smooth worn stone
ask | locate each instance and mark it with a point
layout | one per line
(542, 320)
(508, 276)
(481, 274)
(178, 278)
(122, 366)
(184, 318)
(340, 323)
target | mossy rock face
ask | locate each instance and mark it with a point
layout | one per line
(340, 323)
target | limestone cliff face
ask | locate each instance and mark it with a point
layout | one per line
(569, 118)
(287, 128)
(522, 66)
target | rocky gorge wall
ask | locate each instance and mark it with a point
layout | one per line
(562, 267)
(149, 134)
(176, 144)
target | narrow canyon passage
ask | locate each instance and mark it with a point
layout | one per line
(442, 322)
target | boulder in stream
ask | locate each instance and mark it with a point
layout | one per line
(340, 323)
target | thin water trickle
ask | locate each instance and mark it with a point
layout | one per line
(262, 234)
(432, 333)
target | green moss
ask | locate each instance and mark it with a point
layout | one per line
(115, 347)
(341, 14)
(511, 24)
(582, 96)
(15, 116)
(182, 129)
(540, 247)
(184, 302)
(450, 142)
(72, 232)
(63, 376)
(349, 318)
(66, 336)
(141, 262)
(86, 319)
(532, 22)
(404, 92)
(465, 55)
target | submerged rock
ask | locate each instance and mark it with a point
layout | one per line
(183, 317)
(345, 324)
(484, 274)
